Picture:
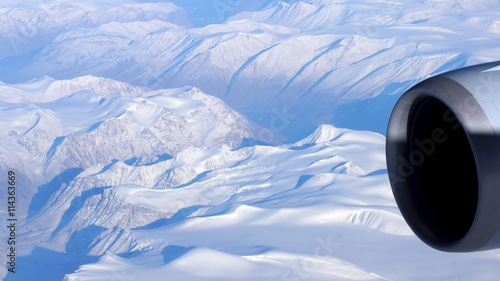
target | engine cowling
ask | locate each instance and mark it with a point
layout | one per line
(443, 158)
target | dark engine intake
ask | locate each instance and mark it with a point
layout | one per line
(443, 158)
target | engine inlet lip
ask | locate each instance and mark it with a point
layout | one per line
(485, 148)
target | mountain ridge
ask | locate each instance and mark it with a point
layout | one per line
(329, 54)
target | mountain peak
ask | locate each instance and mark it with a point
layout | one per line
(324, 133)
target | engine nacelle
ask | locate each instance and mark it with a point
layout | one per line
(443, 158)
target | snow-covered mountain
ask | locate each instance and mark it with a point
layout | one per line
(312, 56)
(29, 25)
(132, 163)
(52, 126)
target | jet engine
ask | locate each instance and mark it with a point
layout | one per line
(443, 158)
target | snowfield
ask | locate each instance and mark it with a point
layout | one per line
(253, 149)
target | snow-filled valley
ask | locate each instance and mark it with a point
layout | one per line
(149, 147)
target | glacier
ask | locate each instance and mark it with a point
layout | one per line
(152, 145)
